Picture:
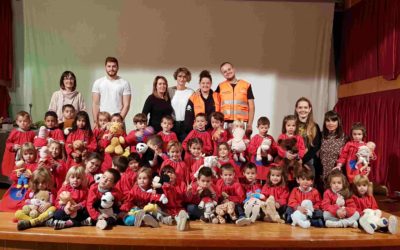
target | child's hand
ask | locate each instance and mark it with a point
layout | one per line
(341, 213)
(277, 205)
(27, 174)
(16, 147)
(290, 156)
(19, 173)
(338, 167)
(225, 195)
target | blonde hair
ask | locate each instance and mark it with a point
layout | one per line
(174, 143)
(77, 171)
(147, 171)
(27, 146)
(311, 130)
(62, 149)
(362, 180)
(40, 175)
(105, 114)
(238, 123)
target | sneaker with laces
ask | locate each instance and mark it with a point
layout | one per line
(49, 222)
(86, 222)
(150, 221)
(392, 227)
(167, 220)
(58, 224)
(23, 224)
(182, 222)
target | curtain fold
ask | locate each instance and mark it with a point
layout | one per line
(380, 113)
(371, 41)
(6, 41)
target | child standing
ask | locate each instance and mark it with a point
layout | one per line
(364, 199)
(81, 130)
(167, 123)
(102, 119)
(175, 161)
(194, 157)
(199, 131)
(68, 112)
(17, 137)
(289, 131)
(51, 122)
(339, 208)
(348, 154)
(73, 212)
(276, 187)
(263, 124)
(218, 133)
(232, 191)
(140, 134)
(20, 177)
(305, 191)
(40, 181)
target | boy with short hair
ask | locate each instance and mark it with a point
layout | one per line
(69, 113)
(140, 134)
(167, 123)
(199, 131)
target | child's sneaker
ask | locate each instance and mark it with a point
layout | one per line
(182, 222)
(101, 224)
(23, 224)
(393, 222)
(86, 222)
(149, 220)
(243, 221)
(139, 218)
(331, 223)
(49, 222)
(167, 220)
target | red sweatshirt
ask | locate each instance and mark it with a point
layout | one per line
(166, 138)
(95, 195)
(79, 195)
(255, 142)
(223, 138)
(83, 135)
(28, 166)
(297, 196)
(280, 193)
(138, 197)
(348, 158)
(131, 140)
(235, 191)
(59, 172)
(181, 170)
(204, 136)
(176, 194)
(367, 201)
(125, 184)
(300, 145)
(56, 134)
(194, 198)
(329, 204)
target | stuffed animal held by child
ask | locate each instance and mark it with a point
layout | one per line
(292, 167)
(106, 210)
(38, 204)
(157, 184)
(238, 144)
(208, 204)
(252, 204)
(67, 202)
(223, 209)
(148, 151)
(263, 148)
(115, 132)
(42, 138)
(209, 162)
(301, 219)
(23, 181)
(363, 154)
(78, 150)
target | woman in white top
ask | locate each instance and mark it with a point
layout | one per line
(66, 95)
(180, 95)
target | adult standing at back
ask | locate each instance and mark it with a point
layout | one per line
(205, 100)
(237, 99)
(158, 104)
(111, 93)
(180, 95)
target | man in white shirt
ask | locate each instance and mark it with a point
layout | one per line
(111, 93)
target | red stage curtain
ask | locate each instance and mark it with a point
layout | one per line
(6, 44)
(371, 41)
(380, 113)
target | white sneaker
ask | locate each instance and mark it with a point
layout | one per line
(243, 221)
(149, 220)
(393, 222)
(101, 224)
(331, 223)
(182, 223)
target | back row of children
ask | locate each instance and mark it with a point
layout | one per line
(214, 189)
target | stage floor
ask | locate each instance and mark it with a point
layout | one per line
(201, 235)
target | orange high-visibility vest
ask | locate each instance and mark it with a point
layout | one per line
(198, 103)
(234, 102)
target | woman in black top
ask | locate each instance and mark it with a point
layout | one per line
(158, 104)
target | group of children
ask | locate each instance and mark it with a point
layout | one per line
(217, 176)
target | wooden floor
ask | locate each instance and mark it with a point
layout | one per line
(200, 236)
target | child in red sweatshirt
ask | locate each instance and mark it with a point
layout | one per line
(199, 131)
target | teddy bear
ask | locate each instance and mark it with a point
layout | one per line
(42, 138)
(269, 209)
(292, 167)
(209, 162)
(207, 204)
(301, 219)
(78, 150)
(38, 204)
(372, 220)
(106, 210)
(238, 144)
(114, 133)
(23, 181)
(66, 201)
(263, 148)
(223, 209)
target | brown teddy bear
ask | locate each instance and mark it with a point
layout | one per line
(292, 167)
(78, 150)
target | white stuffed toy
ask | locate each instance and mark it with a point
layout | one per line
(238, 143)
(363, 154)
(209, 162)
(106, 210)
(372, 220)
(301, 219)
(263, 148)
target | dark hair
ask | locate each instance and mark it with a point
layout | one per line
(358, 126)
(285, 120)
(184, 70)
(94, 155)
(117, 115)
(305, 174)
(65, 106)
(283, 173)
(134, 157)
(228, 167)
(168, 118)
(201, 115)
(66, 74)
(249, 165)
(85, 116)
(115, 173)
(140, 117)
(206, 172)
(345, 192)
(111, 59)
(263, 120)
(51, 113)
(223, 144)
(121, 163)
(205, 74)
(223, 64)
(218, 116)
(166, 95)
(194, 140)
(333, 116)
(167, 169)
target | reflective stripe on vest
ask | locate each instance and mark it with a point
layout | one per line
(198, 103)
(234, 102)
